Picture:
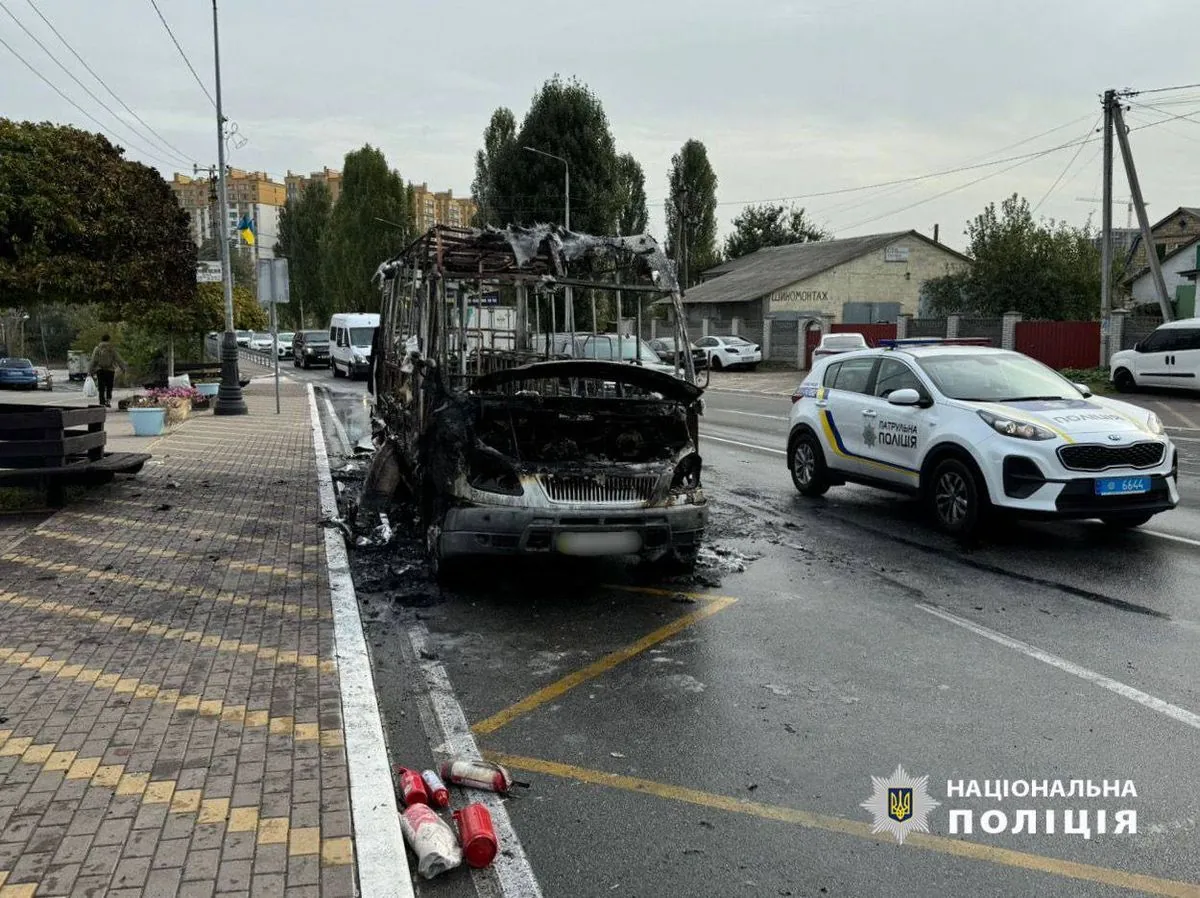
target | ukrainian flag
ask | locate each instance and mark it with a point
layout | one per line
(246, 230)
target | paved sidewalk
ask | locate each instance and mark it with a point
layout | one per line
(170, 715)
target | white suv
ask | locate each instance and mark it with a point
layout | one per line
(1169, 357)
(971, 429)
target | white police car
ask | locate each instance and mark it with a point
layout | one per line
(971, 429)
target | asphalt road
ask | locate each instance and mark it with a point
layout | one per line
(717, 738)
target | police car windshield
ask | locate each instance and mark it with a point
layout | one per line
(995, 378)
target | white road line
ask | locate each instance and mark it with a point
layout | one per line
(1171, 536)
(744, 445)
(730, 411)
(1142, 698)
(1176, 427)
(378, 841)
(512, 872)
(1178, 414)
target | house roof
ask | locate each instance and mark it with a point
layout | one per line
(1193, 211)
(1145, 269)
(763, 272)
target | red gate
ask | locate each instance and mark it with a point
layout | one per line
(1060, 344)
(872, 333)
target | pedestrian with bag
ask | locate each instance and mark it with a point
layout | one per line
(105, 361)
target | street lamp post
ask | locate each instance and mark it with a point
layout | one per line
(229, 395)
(566, 225)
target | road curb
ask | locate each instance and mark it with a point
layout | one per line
(381, 859)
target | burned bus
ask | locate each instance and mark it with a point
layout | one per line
(506, 443)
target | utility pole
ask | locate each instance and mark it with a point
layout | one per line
(229, 397)
(1139, 206)
(1106, 244)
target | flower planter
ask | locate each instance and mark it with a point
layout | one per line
(209, 390)
(148, 422)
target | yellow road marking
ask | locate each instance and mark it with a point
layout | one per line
(304, 612)
(133, 625)
(598, 667)
(179, 554)
(669, 593)
(941, 844)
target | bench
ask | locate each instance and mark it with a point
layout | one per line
(53, 446)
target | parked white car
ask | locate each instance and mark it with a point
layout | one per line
(730, 352)
(971, 430)
(285, 344)
(1168, 358)
(262, 342)
(832, 344)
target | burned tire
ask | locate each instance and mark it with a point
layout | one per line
(806, 461)
(1123, 381)
(1126, 521)
(957, 500)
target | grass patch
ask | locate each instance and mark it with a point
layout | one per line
(1096, 379)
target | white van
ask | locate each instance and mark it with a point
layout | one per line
(350, 337)
(1169, 357)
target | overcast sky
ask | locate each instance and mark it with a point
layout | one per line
(791, 98)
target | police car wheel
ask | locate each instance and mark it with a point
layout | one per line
(807, 465)
(1126, 521)
(954, 498)
(1124, 381)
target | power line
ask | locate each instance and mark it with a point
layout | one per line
(71, 74)
(1067, 168)
(162, 140)
(841, 208)
(84, 112)
(1160, 90)
(1185, 116)
(1021, 161)
(181, 53)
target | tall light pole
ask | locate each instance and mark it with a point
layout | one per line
(570, 322)
(229, 396)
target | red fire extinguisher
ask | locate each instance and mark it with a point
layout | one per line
(476, 834)
(412, 787)
(478, 775)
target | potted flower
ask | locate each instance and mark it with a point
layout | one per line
(148, 417)
(177, 401)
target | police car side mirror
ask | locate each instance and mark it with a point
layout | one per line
(1084, 389)
(906, 396)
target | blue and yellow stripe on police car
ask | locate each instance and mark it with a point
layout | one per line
(833, 439)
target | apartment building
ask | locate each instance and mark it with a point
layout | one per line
(431, 208)
(251, 194)
(295, 183)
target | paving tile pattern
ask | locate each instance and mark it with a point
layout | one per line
(170, 720)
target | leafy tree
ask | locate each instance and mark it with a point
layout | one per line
(371, 221)
(302, 229)
(631, 186)
(80, 223)
(769, 225)
(565, 119)
(692, 199)
(1044, 269)
(493, 166)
